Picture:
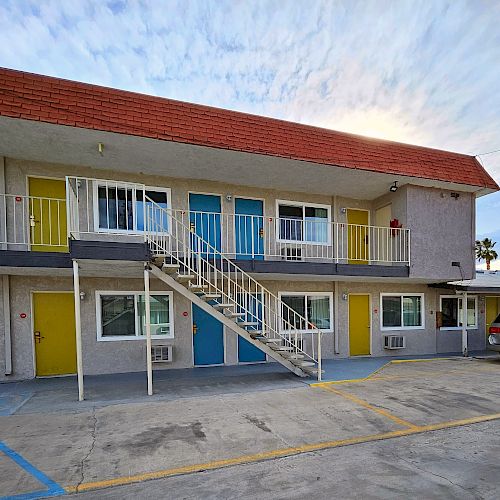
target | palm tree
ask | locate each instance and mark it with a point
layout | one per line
(484, 251)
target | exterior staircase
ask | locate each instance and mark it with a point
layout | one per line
(200, 272)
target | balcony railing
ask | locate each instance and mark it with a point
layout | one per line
(258, 237)
(100, 209)
(33, 223)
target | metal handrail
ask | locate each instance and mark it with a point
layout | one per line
(241, 236)
(216, 273)
(32, 221)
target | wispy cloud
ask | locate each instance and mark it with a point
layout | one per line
(414, 71)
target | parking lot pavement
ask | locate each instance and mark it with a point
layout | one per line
(125, 443)
(460, 463)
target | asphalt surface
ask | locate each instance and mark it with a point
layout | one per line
(421, 429)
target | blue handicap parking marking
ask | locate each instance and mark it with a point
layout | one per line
(11, 402)
(53, 489)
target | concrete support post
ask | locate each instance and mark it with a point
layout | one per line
(147, 311)
(6, 323)
(464, 325)
(336, 322)
(78, 328)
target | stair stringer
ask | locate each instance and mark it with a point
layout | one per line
(178, 287)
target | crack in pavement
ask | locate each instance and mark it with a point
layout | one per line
(273, 432)
(426, 471)
(91, 449)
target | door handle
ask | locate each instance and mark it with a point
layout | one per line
(195, 328)
(38, 337)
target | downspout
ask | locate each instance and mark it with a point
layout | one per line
(7, 326)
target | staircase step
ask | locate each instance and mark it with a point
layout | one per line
(184, 277)
(222, 306)
(283, 348)
(270, 340)
(303, 364)
(257, 336)
(235, 315)
(293, 356)
(247, 323)
(158, 259)
(211, 296)
(311, 371)
(194, 287)
(170, 268)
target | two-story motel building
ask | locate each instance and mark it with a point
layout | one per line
(243, 239)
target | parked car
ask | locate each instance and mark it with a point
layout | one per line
(494, 335)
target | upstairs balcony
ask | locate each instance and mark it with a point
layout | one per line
(111, 211)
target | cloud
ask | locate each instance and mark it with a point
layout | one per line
(418, 72)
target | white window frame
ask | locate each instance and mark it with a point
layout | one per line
(402, 327)
(303, 205)
(307, 294)
(459, 297)
(97, 183)
(136, 294)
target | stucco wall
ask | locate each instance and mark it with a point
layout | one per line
(98, 357)
(130, 355)
(442, 231)
(429, 340)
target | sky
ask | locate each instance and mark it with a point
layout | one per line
(425, 72)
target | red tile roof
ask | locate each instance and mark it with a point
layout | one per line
(53, 100)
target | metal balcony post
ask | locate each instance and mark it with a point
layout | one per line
(147, 312)
(78, 328)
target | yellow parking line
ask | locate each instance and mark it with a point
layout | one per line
(421, 360)
(364, 379)
(217, 464)
(367, 405)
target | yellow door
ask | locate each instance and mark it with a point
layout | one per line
(492, 311)
(54, 333)
(357, 236)
(359, 325)
(47, 207)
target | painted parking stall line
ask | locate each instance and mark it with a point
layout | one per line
(368, 406)
(53, 489)
(278, 453)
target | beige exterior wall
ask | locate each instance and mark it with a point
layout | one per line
(130, 355)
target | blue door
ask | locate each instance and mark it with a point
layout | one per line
(248, 228)
(208, 339)
(247, 352)
(205, 210)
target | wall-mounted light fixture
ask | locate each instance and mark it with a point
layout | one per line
(343, 210)
(82, 295)
(455, 195)
(100, 148)
(394, 187)
(229, 197)
(344, 296)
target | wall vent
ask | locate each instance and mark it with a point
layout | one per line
(394, 342)
(161, 353)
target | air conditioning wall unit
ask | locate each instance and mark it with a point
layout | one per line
(394, 342)
(162, 353)
(291, 253)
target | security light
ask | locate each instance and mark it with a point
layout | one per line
(394, 187)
